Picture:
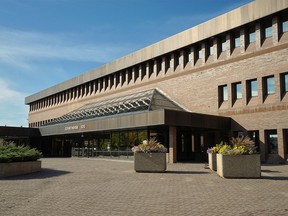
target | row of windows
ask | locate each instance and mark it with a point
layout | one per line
(271, 139)
(196, 55)
(268, 88)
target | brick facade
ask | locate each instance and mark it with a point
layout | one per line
(191, 76)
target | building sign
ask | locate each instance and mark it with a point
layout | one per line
(75, 127)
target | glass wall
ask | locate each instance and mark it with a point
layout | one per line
(115, 144)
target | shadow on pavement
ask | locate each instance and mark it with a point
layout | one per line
(277, 178)
(185, 172)
(43, 174)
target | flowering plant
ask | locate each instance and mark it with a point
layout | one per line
(149, 146)
(239, 146)
(216, 148)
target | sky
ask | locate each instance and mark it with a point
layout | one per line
(45, 42)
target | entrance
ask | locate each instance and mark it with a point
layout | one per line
(192, 144)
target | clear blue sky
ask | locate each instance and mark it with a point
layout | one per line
(44, 42)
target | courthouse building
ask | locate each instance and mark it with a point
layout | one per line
(225, 77)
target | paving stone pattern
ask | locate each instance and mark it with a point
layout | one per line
(75, 186)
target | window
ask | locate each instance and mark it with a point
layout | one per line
(198, 54)
(284, 83)
(211, 50)
(285, 26)
(268, 30)
(272, 139)
(285, 79)
(223, 93)
(237, 90)
(252, 88)
(223, 45)
(237, 39)
(269, 85)
(252, 35)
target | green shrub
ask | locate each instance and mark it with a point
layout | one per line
(12, 153)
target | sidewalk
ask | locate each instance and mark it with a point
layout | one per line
(74, 186)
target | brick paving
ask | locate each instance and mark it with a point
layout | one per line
(75, 186)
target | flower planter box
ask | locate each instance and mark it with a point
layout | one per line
(19, 168)
(212, 159)
(150, 162)
(239, 166)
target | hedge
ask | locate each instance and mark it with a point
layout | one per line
(11, 153)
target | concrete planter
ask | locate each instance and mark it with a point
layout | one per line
(212, 159)
(150, 162)
(19, 168)
(239, 166)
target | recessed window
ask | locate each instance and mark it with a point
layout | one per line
(285, 76)
(253, 88)
(237, 39)
(198, 52)
(223, 93)
(223, 45)
(285, 25)
(268, 30)
(284, 83)
(272, 139)
(211, 50)
(237, 90)
(269, 83)
(252, 35)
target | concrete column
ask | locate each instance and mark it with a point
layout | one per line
(110, 84)
(115, 80)
(90, 88)
(172, 62)
(155, 69)
(229, 47)
(263, 145)
(258, 32)
(99, 85)
(172, 144)
(243, 43)
(163, 65)
(275, 30)
(182, 59)
(94, 87)
(281, 143)
(126, 77)
(215, 49)
(192, 56)
(204, 53)
(141, 75)
(148, 70)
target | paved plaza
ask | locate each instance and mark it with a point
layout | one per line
(73, 186)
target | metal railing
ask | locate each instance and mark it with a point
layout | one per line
(91, 152)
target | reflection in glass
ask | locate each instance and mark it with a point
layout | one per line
(225, 93)
(273, 142)
(270, 85)
(286, 82)
(268, 32)
(285, 26)
(238, 90)
(254, 88)
(252, 37)
(237, 42)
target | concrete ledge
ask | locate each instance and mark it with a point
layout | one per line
(239, 166)
(150, 162)
(19, 168)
